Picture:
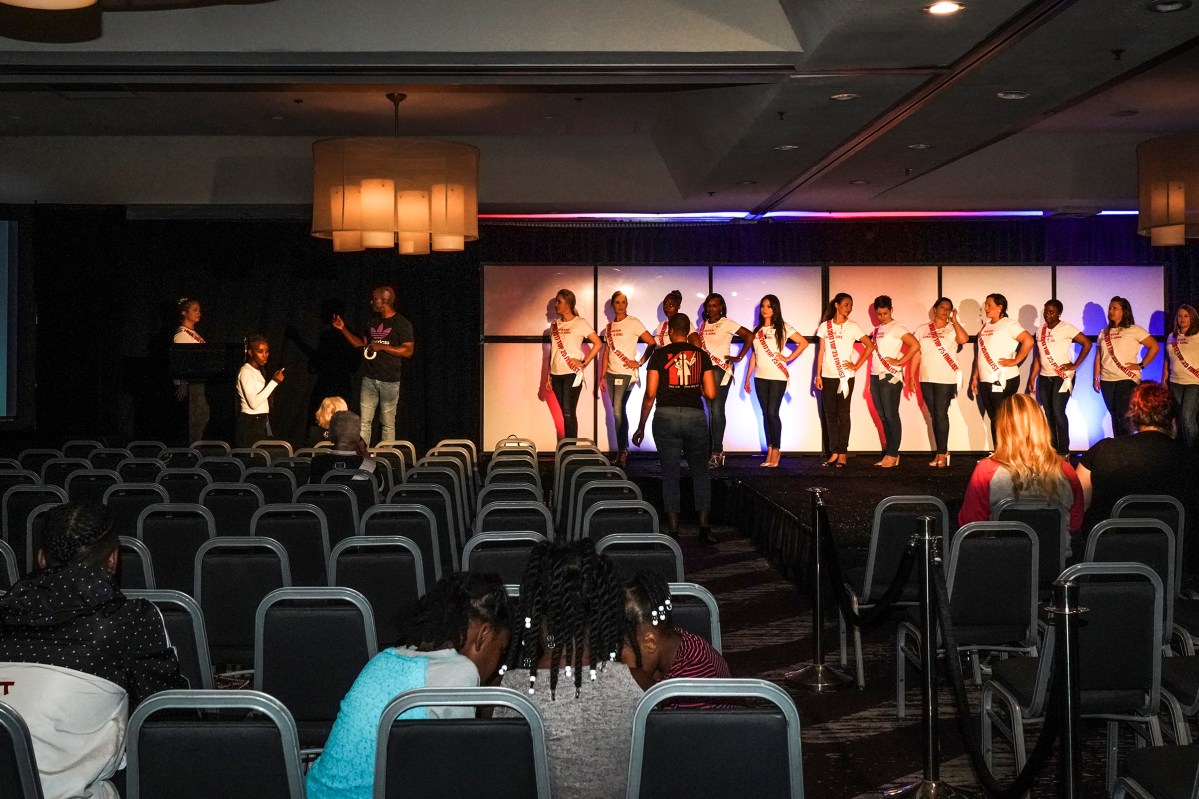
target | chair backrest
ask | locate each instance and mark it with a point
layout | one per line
(304, 532)
(416, 758)
(110, 457)
(1050, 522)
(1147, 541)
(1163, 508)
(387, 570)
(505, 492)
(136, 569)
(211, 448)
(896, 520)
(519, 515)
(564, 471)
(222, 469)
(54, 471)
(89, 485)
(470, 472)
(17, 477)
(126, 501)
(406, 447)
(299, 467)
(184, 622)
(184, 485)
(672, 752)
(233, 574)
(513, 459)
(395, 460)
(232, 505)
(464, 443)
(19, 777)
(619, 516)
(571, 488)
(80, 447)
(502, 553)
(139, 470)
(252, 752)
(35, 526)
(310, 644)
(360, 481)
(274, 448)
(173, 533)
(992, 577)
(144, 449)
(416, 523)
(592, 491)
(339, 505)
(440, 503)
(445, 472)
(695, 611)
(18, 504)
(9, 572)
(34, 459)
(180, 457)
(8, 464)
(633, 552)
(277, 483)
(522, 476)
(515, 442)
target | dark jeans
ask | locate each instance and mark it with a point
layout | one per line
(250, 427)
(680, 432)
(1054, 403)
(1187, 399)
(886, 395)
(618, 395)
(937, 397)
(568, 398)
(770, 397)
(990, 395)
(836, 414)
(197, 411)
(716, 418)
(1116, 396)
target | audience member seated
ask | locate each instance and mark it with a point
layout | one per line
(1023, 466)
(657, 650)
(454, 636)
(348, 450)
(570, 623)
(1149, 461)
(324, 414)
(76, 655)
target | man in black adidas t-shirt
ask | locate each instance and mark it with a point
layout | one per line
(679, 376)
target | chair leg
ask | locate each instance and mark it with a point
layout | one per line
(901, 673)
(985, 714)
(1113, 741)
(976, 665)
(841, 634)
(857, 651)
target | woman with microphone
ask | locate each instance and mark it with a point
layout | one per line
(254, 391)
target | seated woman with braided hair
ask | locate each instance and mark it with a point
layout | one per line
(453, 636)
(657, 649)
(570, 622)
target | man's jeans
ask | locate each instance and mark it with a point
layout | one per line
(384, 396)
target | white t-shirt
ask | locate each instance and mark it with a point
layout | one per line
(662, 335)
(1060, 342)
(933, 366)
(185, 336)
(888, 343)
(625, 335)
(764, 365)
(253, 390)
(844, 336)
(718, 338)
(1126, 342)
(572, 334)
(447, 669)
(1190, 352)
(1002, 341)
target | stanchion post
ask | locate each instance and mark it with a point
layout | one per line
(1065, 612)
(816, 676)
(931, 786)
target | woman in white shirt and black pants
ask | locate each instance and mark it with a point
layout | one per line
(1182, 347)
(836, 363)
(254, 391)
(1118, 361)
(1002, 344)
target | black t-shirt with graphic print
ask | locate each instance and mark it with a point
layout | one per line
(394, 330)
(680, 367)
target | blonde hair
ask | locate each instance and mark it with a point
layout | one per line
(1024, 446)
(329, 406)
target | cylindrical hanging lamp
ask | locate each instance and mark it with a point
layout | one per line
(1167, 177)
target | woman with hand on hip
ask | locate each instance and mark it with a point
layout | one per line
(1002, 345)
(567, 361)
(716, 333)
(770, 359)
(894, 347)
(1118, 361)
(621, 367)
(940, 375)
(836, 363)
(1183, 350)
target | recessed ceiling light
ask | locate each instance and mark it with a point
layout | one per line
(858, 182)
(787, 147)
(277, 116)
(1012, 95)
(1169, 6)
(747, 183)
(845, 96)
(1125, 112)
(548, 116)
(919, 146)
(943, 7)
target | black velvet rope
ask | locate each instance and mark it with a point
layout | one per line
(881, 610)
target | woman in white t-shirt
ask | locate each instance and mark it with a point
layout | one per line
(836, 362)
(191, 391)
(1118, 361)
(716, 334)
(1001, 345)
(620, 366)
(671, 304)
(894, 348)
(940, 376)
(1183, 350)
(770, 359)
(567, 361)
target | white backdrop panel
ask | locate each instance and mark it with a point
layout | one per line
(1085, 291)
(515, 399)
(518, 300)
(1026, 289)
(645, 286)
(912, 290)
(799, 292)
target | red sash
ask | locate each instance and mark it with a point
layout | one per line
(663, 336)
(1181, 360)
(832, 348)
(725, 365)
(1059, 371)
(1111, 353)
(932, 331)
(982, 348)
(562, 351)
(891, 370)
(199, 339)
(773, 357)
(612, 349)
